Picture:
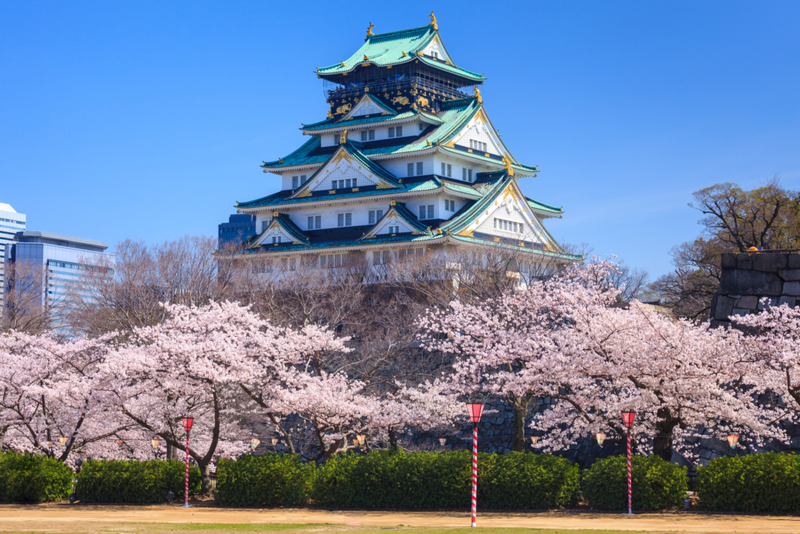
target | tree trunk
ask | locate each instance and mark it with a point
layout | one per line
(206, 481)
(392, 439)
(662, 442)
(172, 452)
(520, 405)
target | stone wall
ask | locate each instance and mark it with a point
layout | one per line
(750, 277)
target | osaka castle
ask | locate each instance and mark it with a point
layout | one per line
(406, 162)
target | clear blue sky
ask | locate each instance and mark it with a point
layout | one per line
(150, 119)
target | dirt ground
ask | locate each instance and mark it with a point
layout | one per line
(96, 518)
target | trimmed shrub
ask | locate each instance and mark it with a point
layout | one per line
(753, 483)
(132, 481)
(434, 481)
(657, 484)
(524, 481)
(31, 478)
(386, 480)
(267, 480)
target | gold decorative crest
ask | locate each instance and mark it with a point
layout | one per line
(433, 21)
(369, 30)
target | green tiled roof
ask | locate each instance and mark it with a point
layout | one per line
(543, 207)
(405, 214)
(549, 253)
(395, 48)
(464, 217)
(301, 156)
(330, 124)
(452, 120)
(280, 198)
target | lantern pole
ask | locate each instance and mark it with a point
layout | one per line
(475, 411)
(627, 419)
(187, 426)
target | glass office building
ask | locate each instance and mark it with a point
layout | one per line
(67, 266)
(11, 222)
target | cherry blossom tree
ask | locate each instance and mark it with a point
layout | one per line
(210, 363)
(567, 338)
(50, 389)
(515, 346)
(772, 353)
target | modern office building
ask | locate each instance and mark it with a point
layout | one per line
(11, 222)
(240, 226)
(67, 265)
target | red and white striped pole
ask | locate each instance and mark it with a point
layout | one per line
(475, 411)
(627, 420)
(474, 475)
(187, 425)
(630, 494)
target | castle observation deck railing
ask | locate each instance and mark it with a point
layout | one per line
(380, 86)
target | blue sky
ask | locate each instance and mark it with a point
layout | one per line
(150, 119)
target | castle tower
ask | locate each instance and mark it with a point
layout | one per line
(406, 162)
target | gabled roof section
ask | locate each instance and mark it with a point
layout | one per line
(282, 226)
(369, 105)
(397, 212)
(466, 223)
(332, 125)
(348, 158)
(396, 48)
(543, 209)
(308, 154)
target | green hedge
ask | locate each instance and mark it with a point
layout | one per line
(753, 483)
(387, 480)
(268, 480)
(132, 481)
(657, 484)
(31, 478)
(520, 481)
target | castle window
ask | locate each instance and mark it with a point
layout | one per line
(375, 216)
(331, 261)
(426, 212)
(391, 131)
(435, 55)
(372, 135)
(264, 225)
(295, 182)
(419, 168)
(363, 135)
(344, 219)
(449, 171)
(477, 145)
(449, 205)
(399, 131)
(315, 222)
(469, 175)
(410, 169)
(393, 229)
(421, 126)
(276, 239)
(381, 257)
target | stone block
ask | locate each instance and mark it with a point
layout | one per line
(728, 261)
(744, 261)
(791, 301)
(789, 274)
(793, 261)
(740, 311)
(724, 307)
(769, 263)
(750, 283)
(791, 288)
(766, 302)
(748, 301)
